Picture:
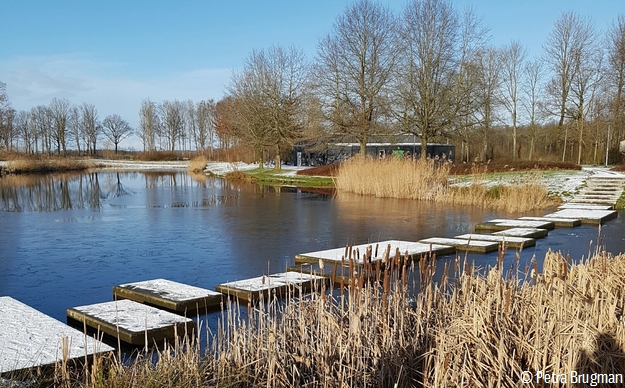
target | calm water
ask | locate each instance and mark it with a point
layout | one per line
(66, 241)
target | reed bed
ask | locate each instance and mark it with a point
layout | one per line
(478, 329)
(36, 166)
(428, 180)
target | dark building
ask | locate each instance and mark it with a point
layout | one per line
(343, 151)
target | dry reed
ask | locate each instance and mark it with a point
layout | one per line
(429, 180)
(197, 164)
(475, 330)
(34, 166)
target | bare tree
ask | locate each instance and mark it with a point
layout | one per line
(25, 130)
(616, 75)
(569, 36)
(173, 119)
(149, 125)
(269, 94)
(429, 65)
(7, 114)
(42, 118)
(354, 69)
(59, 108)
(90, 126)
(587, 76)
(205, 133)
(225, 125)
(488, 68)
(532, 82)
(116, 129)
(75, 125)
(513, 58)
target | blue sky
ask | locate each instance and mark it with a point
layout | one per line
(115, 53)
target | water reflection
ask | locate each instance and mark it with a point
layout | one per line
(35, 193)
(49, 193)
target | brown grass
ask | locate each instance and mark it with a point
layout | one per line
(429, 180)
(197, 164)
(45, 165)
(473, 330)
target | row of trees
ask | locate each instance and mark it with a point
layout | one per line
(182, 125)
(428, 71)
(58, 127)
(431, 72)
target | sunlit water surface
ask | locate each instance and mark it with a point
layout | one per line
(67, 240)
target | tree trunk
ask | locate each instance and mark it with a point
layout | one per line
(278, 165)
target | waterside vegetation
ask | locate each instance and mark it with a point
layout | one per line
(471, 328)
(429, 180)
(42, 165)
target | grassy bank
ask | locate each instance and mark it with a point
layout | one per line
(474, 330)
(269, 176)
(429, 180)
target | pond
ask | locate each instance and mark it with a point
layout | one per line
(66, 240)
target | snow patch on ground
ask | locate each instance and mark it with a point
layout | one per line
(223, 168)
(139, 165)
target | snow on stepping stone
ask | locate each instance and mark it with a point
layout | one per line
(132, 320)
(523, 232)
(558, 222)
(511, 242)
(502, 224)
(341, 255)
(251, 289)
(585, 206)
(592, 217)
(464, 245)
(29, 338)
(177, 297)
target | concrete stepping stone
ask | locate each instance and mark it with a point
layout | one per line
(341, 255)
(173, 296)
(31, 339)
(279, 284)
(133, 322)
(558, 222)
(591, 217)
(511, 242)
(502, 224)
(584, 206)
(464, 245)
(523, 232)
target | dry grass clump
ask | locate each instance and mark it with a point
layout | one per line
(197, 164)
(240, 176)
(35, 166)
(429, 180)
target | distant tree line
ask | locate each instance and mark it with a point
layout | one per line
(427, 71)
(58, 127)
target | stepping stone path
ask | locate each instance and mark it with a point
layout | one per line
(603, 187)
